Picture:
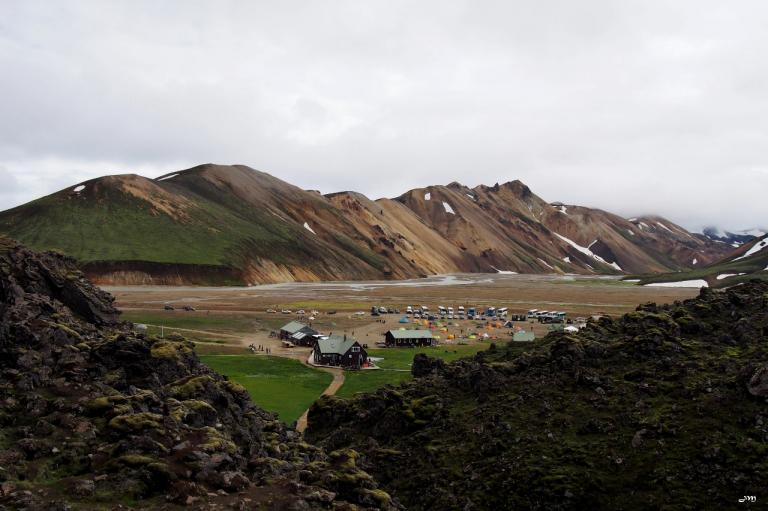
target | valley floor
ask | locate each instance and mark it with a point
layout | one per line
(229, 319)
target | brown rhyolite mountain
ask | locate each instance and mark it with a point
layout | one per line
(232, 224)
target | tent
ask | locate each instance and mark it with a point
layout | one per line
(404, 319)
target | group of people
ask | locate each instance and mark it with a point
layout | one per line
(266, 349)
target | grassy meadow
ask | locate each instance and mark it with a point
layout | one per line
(396, 366)
(281, 385)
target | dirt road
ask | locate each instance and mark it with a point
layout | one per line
(338, 381)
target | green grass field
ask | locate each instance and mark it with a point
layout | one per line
(194, 320)
(280, 385)
(396, 366)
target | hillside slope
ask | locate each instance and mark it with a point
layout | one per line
(218, 224)
(749, 261)
(96, 416)
(663, 408)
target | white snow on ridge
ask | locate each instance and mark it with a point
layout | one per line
(632, 219)
(757, 247)
(631, 280)
(695, 261)
(567, 259)
(166, 177)
(562, 209)
(630, 232)
(545, 263)
(682, 283)
(726, 275)
(427, 196)
(78, 188)
(448, 208)
(586, 251)
(471, 196)
(504, 272)
(664, 226)
(307, 227)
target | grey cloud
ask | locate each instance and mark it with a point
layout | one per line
(635, 107)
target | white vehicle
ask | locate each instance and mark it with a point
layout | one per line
(502, 312)
(359, 313)
(461, 309)
(286, 311)
(450, 310)
(450, 316)
(417, 315)
(424, 309)
(532, 313)
(441, 309)
(300, 312)
(409, 310)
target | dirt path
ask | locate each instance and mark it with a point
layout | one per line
(338, 381)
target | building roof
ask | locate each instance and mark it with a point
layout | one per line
(523, 336)
(335, 344)
(411, 334)
(293, 327)
(299, 335)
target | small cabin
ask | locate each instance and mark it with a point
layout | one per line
(408, 338)
(340, 351)
(523, 336)
(298, 333)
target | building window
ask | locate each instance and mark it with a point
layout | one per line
(355, 349)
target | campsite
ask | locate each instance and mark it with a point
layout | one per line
(228, 320)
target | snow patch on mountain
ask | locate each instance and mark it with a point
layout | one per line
(545, 263)
(471, 196)
(448, 208)
(754, 249)
(683, 283)
(567, 259)
(664, 227)
(587, 251)
(78, 188)
(504, 272)
(726, 275)
(695, 261)
(427, 196)
(307, 227)
(166, 177)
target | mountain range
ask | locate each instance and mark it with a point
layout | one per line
(222, 224)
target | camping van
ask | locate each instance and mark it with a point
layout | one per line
(502, 312)
(441, 310)
(490, 311)
(532, 313)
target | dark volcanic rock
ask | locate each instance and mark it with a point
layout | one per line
(663, 408)
(93, 414)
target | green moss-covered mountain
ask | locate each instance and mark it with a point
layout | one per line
(220, 224)
(663, 408)
(94, 416)
(748, 262)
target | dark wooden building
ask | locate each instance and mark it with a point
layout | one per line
(298, 333)
(341, 351)
(408, 338)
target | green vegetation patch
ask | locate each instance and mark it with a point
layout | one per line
(396, 366)
(280, 385)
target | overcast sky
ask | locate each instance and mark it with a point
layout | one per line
(631, 106)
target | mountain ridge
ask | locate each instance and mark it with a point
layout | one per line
(232, 224)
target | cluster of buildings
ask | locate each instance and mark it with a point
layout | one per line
(343, 350)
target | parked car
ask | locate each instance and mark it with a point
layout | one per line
(168, 307)
(189, 308)
(286, 311)
(300, 312)
(331, 312)
(271, 311)
(390, 310)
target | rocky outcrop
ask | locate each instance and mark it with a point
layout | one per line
(663, 408)
(93, 415)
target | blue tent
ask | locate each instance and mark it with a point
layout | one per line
(404, 319)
